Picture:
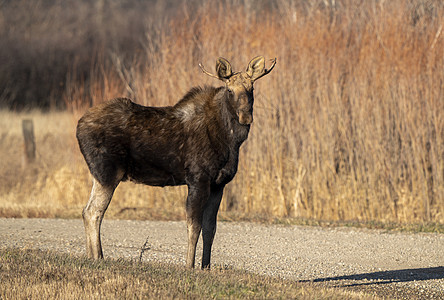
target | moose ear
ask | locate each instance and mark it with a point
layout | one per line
(223, 68)
(256, 67)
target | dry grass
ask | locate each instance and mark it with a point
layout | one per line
(37, 275)
(348, 126)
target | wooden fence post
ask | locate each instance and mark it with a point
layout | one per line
(29, 142)
(429, 200)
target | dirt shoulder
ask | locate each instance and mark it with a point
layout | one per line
(399, 265)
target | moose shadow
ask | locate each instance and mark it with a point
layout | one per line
(385, 277)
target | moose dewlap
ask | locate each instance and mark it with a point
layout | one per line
(195, 143)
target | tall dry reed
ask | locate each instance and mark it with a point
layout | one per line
(349, 125)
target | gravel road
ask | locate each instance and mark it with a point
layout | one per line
(397, 265)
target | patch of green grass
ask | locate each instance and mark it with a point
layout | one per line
(37, 274)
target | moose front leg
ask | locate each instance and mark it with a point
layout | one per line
(197, 197)
(193, 227)
(209, 223)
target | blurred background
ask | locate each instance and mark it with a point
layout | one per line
(348, 126)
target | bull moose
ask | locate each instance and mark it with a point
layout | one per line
(195, 143)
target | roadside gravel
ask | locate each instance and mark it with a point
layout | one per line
(397, 265)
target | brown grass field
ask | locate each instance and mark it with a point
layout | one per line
(31, 274)
(348, 126)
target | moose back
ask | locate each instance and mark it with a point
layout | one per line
(195, 143)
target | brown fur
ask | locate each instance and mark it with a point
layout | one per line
(195, 142)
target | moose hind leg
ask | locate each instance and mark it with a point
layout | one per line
(209, 224)
(93, 215)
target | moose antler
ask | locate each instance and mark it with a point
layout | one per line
(266, 71)
(206, 72)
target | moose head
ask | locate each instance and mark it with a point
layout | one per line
(240, 84)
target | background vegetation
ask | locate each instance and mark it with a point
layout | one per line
(348, 126)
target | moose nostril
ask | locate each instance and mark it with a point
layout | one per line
(245, 118)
